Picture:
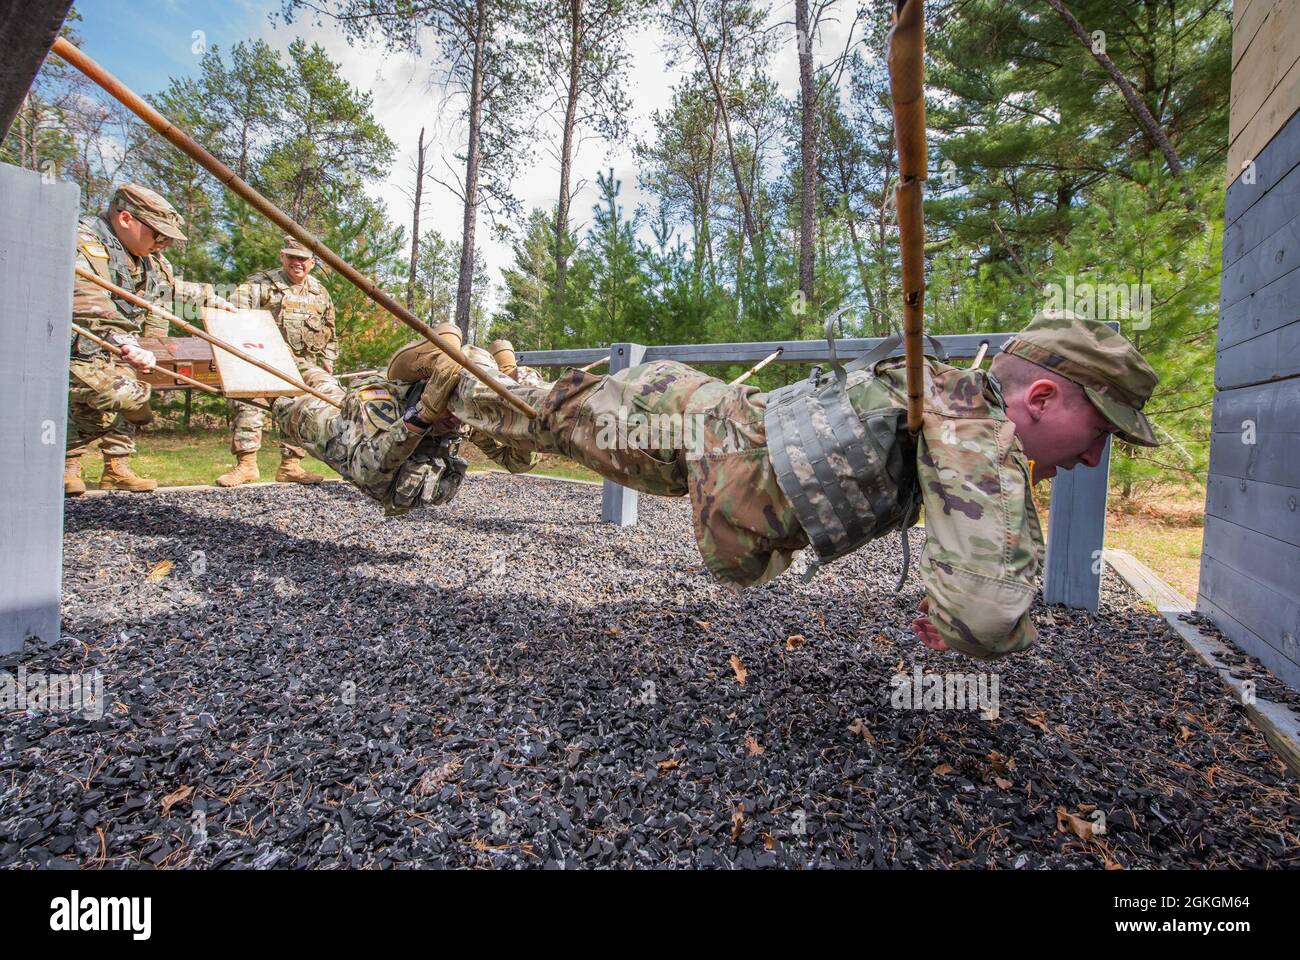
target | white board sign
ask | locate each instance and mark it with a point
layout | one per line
(255, 333)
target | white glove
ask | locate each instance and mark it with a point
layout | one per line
(139, 358)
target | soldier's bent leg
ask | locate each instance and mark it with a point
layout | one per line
(119, 441)
(307, 420)
(662, 428)
(246, 423)
(369, 443)
(100, 394)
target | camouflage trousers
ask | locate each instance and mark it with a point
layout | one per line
(368, 443)
(246, 424)
(102, 395)
(666, 429)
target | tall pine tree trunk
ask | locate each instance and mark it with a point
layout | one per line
(465, 285)
(415, 224)
(807, 150)
(566, 150)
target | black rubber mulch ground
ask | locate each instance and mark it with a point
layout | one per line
(506, 682)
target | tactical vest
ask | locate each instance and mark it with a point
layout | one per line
(850, 476)
(300, 315)
(156, 287)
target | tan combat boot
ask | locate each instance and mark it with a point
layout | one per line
(118, 475)
(503, 354)
(73, 485)
(421, 360)
(291, 471)
(245, 471)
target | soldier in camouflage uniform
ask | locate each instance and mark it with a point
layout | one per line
(304, 313)
(106, 399)
(378, 443)
(1054, 395)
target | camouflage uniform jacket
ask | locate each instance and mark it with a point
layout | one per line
(115, 319)
(304, 313)
(983, 544)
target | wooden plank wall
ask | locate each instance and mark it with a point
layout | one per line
(1265, 75)
(1250, 564)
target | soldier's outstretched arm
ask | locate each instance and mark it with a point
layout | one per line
(192, 292)
(983, 541)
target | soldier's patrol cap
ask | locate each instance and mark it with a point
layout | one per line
(295, 248)
(146, 205)
(1115, 376)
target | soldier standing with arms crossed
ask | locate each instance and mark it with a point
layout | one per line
(304, 313)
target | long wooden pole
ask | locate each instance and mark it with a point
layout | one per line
(757, 367)
(120, 92)
(116, 351)
(907, 88)
(594, 364)
(201, 333)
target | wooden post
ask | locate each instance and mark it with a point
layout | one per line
(27, 30)
(618, 504)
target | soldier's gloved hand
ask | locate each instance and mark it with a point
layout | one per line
(138, 357)
(926, 631)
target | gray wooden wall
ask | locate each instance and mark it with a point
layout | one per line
(1250, 564)
(38, 222)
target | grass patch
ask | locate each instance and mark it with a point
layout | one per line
(176, 458)
(1172, 552)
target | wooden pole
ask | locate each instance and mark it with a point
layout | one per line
(120, 92)
(907, 88)
(757, 367)
(202, 334)
(117, 352)
(594, 364)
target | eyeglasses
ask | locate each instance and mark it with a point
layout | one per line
(159, 238)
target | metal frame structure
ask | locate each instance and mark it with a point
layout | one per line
(1072, 574)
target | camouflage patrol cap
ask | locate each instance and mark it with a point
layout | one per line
(295, 247)
(150, 207)
(1115, 376)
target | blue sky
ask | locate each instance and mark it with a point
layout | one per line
(144, 42)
